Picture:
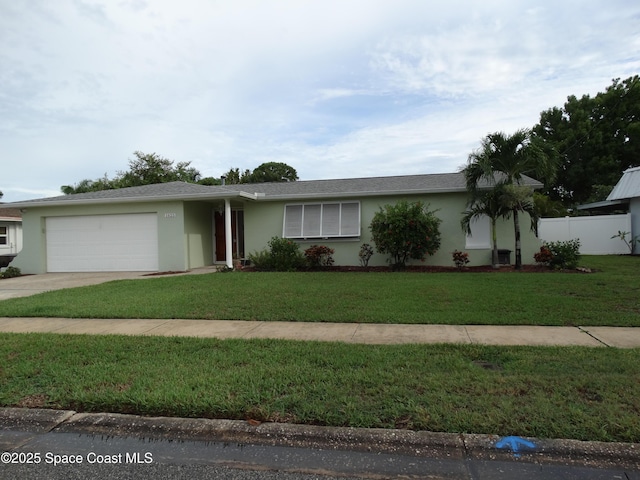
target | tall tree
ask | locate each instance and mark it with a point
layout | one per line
(144, 169)
(504, 160)
(488, 203)
(519, 198)
(234, 176)
(86, 185)
(150, 168)
(548, 208)
(597, 139)
(267, 172)
(273, 172)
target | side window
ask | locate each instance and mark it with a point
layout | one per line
(480, 237)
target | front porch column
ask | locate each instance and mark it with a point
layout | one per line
(228, 241)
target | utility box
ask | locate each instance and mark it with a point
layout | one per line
(504, 257)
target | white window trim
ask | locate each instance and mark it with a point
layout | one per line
(322, 235)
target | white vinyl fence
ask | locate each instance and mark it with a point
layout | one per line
(594, 232)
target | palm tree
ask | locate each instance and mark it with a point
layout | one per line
(488, 203)
(505, 160)
(519, 198)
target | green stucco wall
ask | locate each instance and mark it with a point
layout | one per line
(198, 234)
(263, 220)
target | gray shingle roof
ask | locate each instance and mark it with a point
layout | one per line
(406, 184)
(369, 186)
(158, 191)
(347, 187)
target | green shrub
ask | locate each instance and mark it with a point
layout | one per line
(405, 230)
(261, 260)
(564, 255)
(10, 272)
(365, 254)
(283, 255)
(319, 256)
(627, 239)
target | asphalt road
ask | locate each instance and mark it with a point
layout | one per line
(54, 455)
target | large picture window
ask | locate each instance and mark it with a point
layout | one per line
(322, 220)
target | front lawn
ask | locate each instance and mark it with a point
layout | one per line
(606, 297)
(570, 392)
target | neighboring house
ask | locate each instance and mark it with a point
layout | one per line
(179, 226)
(628, 190)
(10, 234)
(624, 196)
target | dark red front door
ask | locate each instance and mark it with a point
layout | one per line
(237, 235)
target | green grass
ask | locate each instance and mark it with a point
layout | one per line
(570, 392)
(606, 297)
(580, 393)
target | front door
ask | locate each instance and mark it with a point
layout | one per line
(237, 235)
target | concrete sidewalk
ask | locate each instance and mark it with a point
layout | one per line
(620, 337)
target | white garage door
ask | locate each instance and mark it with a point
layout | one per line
(102, 243)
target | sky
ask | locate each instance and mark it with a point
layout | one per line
(333, 88)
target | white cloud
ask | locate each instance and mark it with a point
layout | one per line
(333, 88)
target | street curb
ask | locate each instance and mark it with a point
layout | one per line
(36, 420)
(404, 442)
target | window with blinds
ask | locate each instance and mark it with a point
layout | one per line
(322, 220)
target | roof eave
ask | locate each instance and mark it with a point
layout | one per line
(151, 199)
(387, 193)
(602, 204)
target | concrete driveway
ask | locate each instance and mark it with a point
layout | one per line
(33, 284)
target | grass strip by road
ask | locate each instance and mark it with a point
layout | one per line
(580, 393)
(607, 297)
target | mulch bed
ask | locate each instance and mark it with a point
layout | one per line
(445, 269)
(168, 272)
(424, 269)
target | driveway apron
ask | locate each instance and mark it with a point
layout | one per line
(27, 285)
